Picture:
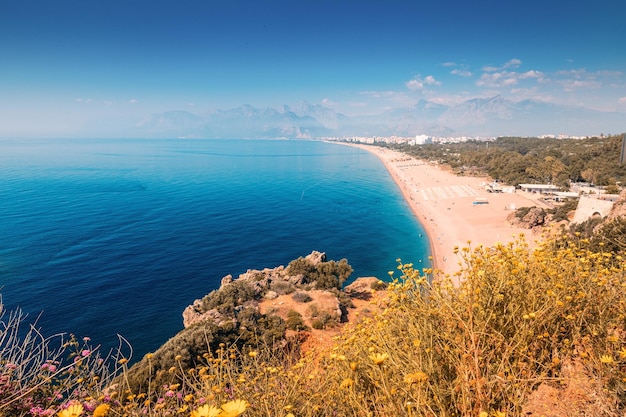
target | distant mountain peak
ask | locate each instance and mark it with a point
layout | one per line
(479, 116)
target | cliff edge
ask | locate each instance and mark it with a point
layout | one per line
(278, 307)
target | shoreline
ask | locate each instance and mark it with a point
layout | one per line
(443, 203)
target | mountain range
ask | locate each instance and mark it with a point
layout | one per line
(487, 117)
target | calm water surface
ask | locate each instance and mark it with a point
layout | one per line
(119, 236)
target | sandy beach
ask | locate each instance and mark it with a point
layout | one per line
(444, 205)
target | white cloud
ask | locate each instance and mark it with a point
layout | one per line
(576, 73)
(512, 63)
(531, 74)
(571, 85)
(449, 100)
(606, 73)
(414, 85)
(328, 102)
(497, 79)
(133, 101)
(579, 79)
(459, 69)
(509, 81)
(621, 100)
(430, 80)
(507, 78)
(461, 72)
(418, 83)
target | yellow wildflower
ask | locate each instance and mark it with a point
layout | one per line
(378, 358)
(233, 408)
(346, 383)
(205, 411)
(416, 377)
(606, 359)
(101, 410)
(74, 410)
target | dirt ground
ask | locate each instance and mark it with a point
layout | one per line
(365, 302)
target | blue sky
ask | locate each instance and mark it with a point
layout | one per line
(68, 64)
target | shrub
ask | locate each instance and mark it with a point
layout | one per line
(317, 324)
(38, 373)
(324, 320)
(301, 297)
(379, 285)
(282, 287)
(226, 298)
(190, 346)
(522, 211)
(519, 318)
(325, 275)
(295, 321)
(304, 267)
(561, 212)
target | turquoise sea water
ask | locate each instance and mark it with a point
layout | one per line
(119, 236)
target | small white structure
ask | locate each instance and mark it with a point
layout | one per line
(589, 207)
(565, 195)
(539, 188)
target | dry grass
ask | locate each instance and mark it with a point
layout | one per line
(522, 323)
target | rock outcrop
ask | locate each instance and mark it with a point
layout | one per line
(534, 217)
(267, 283)
(260, 307)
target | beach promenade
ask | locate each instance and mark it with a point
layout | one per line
(454, 210)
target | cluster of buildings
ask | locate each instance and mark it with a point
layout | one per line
(424, 139)
(416, 140)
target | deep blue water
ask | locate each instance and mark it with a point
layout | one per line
(119, 236)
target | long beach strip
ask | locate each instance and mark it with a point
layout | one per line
(456, 211)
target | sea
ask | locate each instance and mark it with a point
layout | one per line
(103, 238)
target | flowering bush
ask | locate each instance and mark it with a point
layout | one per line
(38, 374)
(518, 320)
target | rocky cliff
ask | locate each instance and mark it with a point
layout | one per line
(259, 308)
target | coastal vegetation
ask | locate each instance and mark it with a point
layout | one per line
(514, 160)
(521, 324)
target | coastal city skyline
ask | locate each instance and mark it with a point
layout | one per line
(75, 68)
